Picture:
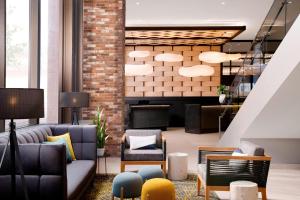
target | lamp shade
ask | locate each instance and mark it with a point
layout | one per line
(21, 103)
(196, 70)
(74, 99)
(138, 70)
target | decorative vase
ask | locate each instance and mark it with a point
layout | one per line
(222, 98)
(100, 152)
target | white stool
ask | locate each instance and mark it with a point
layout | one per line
(243, 190)
(177, 166)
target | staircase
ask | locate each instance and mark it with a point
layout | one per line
(270, 114)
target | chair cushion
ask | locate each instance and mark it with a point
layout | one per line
(78, 175)
(202, 171)
(144, 132)
(251, 149)
(131, 183)
(143, 154)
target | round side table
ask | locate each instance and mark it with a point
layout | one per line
(243, 190)
(177, 166)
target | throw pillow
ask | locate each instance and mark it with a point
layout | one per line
(238, 165)
(142, 142)
(62, 141)
(67, 137)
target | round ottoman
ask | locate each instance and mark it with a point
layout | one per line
(158, 189)
(127, 185)
(243, 190)
(177, 166)
(150, 172)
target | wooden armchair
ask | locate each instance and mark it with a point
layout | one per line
(217, 168)
(155, 156)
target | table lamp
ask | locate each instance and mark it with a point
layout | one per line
(19, 103)
(74, 100)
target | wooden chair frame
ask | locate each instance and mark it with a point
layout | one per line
(208, 188)
(162, 163)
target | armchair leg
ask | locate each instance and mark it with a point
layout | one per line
(264, 194)
(164, 168)
(198, 186)
(206, 193)
(122, 167)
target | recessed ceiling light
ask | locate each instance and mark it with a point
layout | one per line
(223, 3)
(137, 3)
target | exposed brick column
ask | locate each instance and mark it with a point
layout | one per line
(103, 63)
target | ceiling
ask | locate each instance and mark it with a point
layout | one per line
(181, 35)
(163, 13)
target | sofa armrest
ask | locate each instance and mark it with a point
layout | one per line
(44, 169)
(84, 139)
(206, 150)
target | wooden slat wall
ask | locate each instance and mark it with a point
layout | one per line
(165, 81)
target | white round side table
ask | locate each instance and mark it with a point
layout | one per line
(243, 190)
(177, 166)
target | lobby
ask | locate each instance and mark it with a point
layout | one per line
(149, 100)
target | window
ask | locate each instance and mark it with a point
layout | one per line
(17, 47)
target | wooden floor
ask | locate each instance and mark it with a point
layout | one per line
(283, 182)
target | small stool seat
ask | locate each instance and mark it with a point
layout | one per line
(243, 190)
(148, 173)
(127, 185)
(158, 189)
(177, 166)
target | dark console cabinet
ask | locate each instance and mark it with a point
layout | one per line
(149, 116)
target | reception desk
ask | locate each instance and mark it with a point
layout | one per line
(149, 116)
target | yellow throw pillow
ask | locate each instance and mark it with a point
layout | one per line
(67, 137)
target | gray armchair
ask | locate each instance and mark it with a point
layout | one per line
(217, 167)
(155, 156)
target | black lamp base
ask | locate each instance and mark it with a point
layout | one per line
(75, 117)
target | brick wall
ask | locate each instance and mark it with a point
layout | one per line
(165, 80)
(103, 61)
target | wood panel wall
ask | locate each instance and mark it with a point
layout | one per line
(165, 80)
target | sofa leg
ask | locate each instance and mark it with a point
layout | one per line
(122, 169)
(198, 186)
(264, 194)
(206, 193)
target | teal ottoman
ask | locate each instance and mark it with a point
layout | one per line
(150, 172)
(127, 185)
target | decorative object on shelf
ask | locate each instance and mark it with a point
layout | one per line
(222, 91)
(196, 70)
(74, 100)
(138, 54)
(19, 103)
(138, 70)
(169, 57)
(217, 57)
(102, 136)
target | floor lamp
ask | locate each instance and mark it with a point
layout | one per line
(19, 103)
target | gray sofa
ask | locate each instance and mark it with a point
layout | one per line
(47, 174)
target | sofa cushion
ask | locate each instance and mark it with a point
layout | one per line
(67, 138)
(78, 175)
(144, 154)
(144, 132)
(251, 149)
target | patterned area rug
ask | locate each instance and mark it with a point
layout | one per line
(185, 190)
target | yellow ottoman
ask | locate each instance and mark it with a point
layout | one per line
(158, 189)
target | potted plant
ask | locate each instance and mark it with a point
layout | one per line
(102, 136)
(222, 91)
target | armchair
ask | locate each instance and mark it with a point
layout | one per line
(155, 156)
(217, 168)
